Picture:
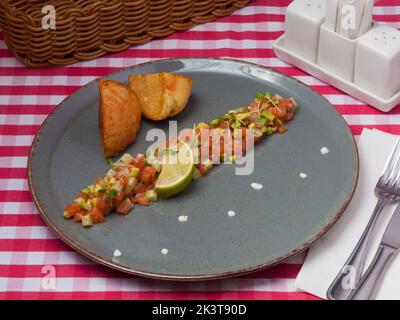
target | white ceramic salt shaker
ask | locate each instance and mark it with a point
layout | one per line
(377, 66)
(303, 21)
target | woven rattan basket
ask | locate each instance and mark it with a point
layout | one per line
(88, 29)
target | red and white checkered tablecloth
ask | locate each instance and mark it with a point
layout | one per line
(26, 98)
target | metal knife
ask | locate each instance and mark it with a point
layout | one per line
(387, 249)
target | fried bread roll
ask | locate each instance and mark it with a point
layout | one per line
(162, 95)
(119, 116)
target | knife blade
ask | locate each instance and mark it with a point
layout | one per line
(391, 237)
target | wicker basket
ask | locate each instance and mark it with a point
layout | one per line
(88, 29)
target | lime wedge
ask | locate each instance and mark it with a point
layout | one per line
(176, 173)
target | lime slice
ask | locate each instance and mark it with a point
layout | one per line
(176, 173)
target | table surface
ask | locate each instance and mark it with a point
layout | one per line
(29, 252)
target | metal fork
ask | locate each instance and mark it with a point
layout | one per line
(387, 190)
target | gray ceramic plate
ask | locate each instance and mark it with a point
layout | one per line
(283, 219)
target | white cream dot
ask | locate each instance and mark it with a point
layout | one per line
(164, 251)
(117, 253)
(231, 213)
(257, 186)
(183, 219)
(324, 150)
(303, 175)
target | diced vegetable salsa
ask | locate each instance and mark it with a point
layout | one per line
(131, 180)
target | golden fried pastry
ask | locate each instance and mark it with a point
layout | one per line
(119, 116)
(162, 95)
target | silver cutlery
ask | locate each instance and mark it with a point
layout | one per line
(387, 190)
(387, 249)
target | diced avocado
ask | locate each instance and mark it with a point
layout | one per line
(151, 195)
(257, 133)
(242, 116)
(111, 181)
(97, 188)
(157, 165)
(264, 129)
(236, 124)
(268, 115)
(131, 185)
(252, 126)
(202, 125)
(127, 158)
(196, 174)
(215, 122)
(262, 120)
(134, 172)
(270, 130)
(132, 181)
(86, 190)
(87, 221)
(110, 173)
(93, 202)
(83, 204)
(67, 215)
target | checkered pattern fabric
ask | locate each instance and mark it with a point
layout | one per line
(26, 98)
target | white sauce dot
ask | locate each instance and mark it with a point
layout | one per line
(183, 219)
(117, 253)
(257, 186)
(164, 251)
(231, 213)
(324, 150)
(303, 175)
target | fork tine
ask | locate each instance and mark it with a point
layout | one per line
(396, 181)
(390, 165)
(395, 171)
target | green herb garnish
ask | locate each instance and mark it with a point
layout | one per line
(112, 194)
(110, 163)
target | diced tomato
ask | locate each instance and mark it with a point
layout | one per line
(123, 180)
(289, 116)
(78, 216)
(147, 175)
(83, 195)
(139, 162)
(125, 206)
(203, 169)
(282, 105)
(103, 204)
(254, 106)
(282, 129)
(140, 188)
(186, 135)
(118, 199)
(141, 199)
(97, 216)
(224, 124)
(99, 180)
(72, 209)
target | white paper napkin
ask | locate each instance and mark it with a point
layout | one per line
(328, 256)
